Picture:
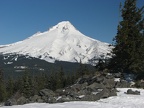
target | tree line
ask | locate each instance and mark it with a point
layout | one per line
(28, 85)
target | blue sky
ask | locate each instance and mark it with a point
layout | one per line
(20, 19)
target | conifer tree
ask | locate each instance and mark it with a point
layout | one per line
(60, 79)
(27, 85)
(10, 87)
(3, 94)
(128, 53)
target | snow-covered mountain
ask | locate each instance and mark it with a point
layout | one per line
(62, 42)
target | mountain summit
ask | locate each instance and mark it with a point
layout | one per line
(62, 42)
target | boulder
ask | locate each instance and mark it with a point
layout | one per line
(100, 79)
(105, 93)
(35, 98)
(113, 92)
(130, 91)
(22, 100)
(46, 92)
(109, 83)
(40, 100)
(123, 84)
(139, 84)
(117, 75)
(91, 80)
(109, 76)
(51, 100)
(10, 102)
(91, 97)
(45, 98)
(95, 86)
(64, 98)
(84, 79)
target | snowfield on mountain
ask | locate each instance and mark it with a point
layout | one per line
(62, 42)
(121, 101)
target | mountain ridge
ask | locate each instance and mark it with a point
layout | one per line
(62, 42)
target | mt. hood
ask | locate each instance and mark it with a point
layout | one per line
(62, 42)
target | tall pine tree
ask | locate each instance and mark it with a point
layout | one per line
(128, 53)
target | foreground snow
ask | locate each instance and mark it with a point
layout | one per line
(120, 101)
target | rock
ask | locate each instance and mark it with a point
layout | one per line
(113, 92)
(1, 104)
(117, 75)
(109, 76)
(22, 100)
(105, 93)
(91, 80)
(109, 83)
(139, 84)
(82, 80)
(64, 98)
(84, 92)
(45, 98)
(40, 101)
(35, 98)
(89, 97)
(100, 79)
(95, 86)
(130, 91)
(123, 84)
(78, 87)
(51, 100)
(10, 102)
(46, 92)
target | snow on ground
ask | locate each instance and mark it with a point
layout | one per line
(120, 101)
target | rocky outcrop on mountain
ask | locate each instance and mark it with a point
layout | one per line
(86, 88)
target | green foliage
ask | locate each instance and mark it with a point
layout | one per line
(26, 85)
(60, 79)
(3, 94)
(10, 87)
(30, 84)
(82, 70)
(128, 54)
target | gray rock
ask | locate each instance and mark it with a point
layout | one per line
(109, 76)
(139, 84)
(45, 98)
(46, 92)
(89, 98)
(10, 102)
(123, 84)
(113, 92)
(117, 75)
(64, 98)
(130, 91)
(51, 100)
(100, 79)
(105, 93)
(91, 80)
(40, 101)
(1, 104)
(95, 86)
(109, 83)
(22, 100)
(35, 98)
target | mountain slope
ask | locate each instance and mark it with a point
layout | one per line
(62, 42)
